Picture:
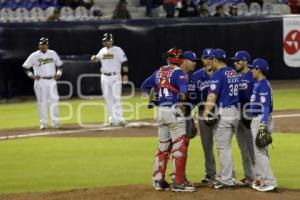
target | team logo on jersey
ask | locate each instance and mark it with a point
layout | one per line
(45, 61)
(191, 87)
(263, 99)
(252, 99)
(243, 86)
(231, 73)
(213, 86)
(108, 56)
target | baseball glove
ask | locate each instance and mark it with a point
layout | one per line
(191, 129)
(211, 119)
(246, 122)
(263, 138)
(153, 100)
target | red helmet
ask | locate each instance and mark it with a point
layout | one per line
(175, 56)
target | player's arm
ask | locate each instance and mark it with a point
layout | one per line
(213, 92)
(125, 71)
(27, 68)
(265, 100)
(210, 103)
(59, 65)
(123, 59)
(182, 85)
(97, 57)
(148, 84)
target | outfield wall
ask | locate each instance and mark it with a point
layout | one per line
(144, 42)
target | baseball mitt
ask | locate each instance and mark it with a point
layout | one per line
(191, 129)
(263, 138)
(211, 119)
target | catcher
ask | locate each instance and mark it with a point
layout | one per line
(171, 83)
(261, 107)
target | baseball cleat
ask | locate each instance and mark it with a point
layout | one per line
(56, 125)
(220, 185)
(266, 188)
(245, 182)
(256, 184)
(184, 187)
(161, 185)
(43, 127)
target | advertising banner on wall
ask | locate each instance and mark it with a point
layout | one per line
(291, 40)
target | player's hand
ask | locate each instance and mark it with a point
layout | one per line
(94, 58)
(35, 77)
(56, 77)
(125, 79)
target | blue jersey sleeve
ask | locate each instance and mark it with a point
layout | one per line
(182, 82)
(265, 98)
(149, 83)
(215, 84)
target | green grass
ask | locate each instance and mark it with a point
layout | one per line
(56, 164)
(22, 115)
(286, 99)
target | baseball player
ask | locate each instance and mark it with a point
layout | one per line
(223, 93)
(188, 66)
(243, 134)
(261, 108)
(44, 62)
(171, 84)
(112, 59)
(201, 78)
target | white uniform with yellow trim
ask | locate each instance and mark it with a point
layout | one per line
(111, 81)
(44, 66)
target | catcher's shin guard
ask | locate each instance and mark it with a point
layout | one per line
(179, 156)
(161, 160)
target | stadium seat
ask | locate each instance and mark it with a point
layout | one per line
(81, 13)
(67, 13)
(96, 12)
(48, 12)
(21, 15)
(226, 7)
(255, 9)
(158, 12)
(212, 9)
(37, 14)
(267, 8)
(242, 9)
(284, 9)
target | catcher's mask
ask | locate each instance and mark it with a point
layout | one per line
(174, 56)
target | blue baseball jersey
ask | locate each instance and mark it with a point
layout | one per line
(192, 90)
(225, 84)
(169, 81)
(262, 100)
(246, 87)
(201, 79)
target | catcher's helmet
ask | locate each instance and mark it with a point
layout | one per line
(44, 40)
(175, 56)
(107, 37)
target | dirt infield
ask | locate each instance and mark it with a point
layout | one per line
(142, 192)
(283, 124)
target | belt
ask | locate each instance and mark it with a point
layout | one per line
(110, 74)
(47, 77)
(229, 106)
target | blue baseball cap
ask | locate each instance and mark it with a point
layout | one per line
(206, 52)
(218, 54)
(241, 55)
(189, 55)
(260, 63)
